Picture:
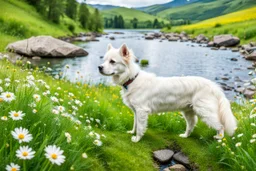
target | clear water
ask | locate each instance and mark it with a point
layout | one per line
(165, 59)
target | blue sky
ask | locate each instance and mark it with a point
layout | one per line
(128, 3)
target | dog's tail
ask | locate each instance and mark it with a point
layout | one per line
(226, 116)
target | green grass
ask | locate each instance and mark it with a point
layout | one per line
(205, 9)
(128, 14)
(105, 104)
(19, 20)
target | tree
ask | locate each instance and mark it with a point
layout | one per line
(134, 22)
(121, 21)
(84, 15)
(115, 22)
(156, 23)
(55, 9)
(71, 8)
(97, 20)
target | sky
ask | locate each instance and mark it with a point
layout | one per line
(127, 3)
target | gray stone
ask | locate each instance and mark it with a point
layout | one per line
(201, 38)
(112, 38)
(173, 38)
(248, 93)
(253, 44)
(210, 44)
(214, 48)
(163, 156)
(91, 39)
(251, 87)
(223, 48)
(36, 58)
(225, 78)
(177, 167)
(46, 46)
(181, 158)
(226, 40)
(235, 50)
(240, 89)
(234, 59)
(149, 37)
(252, 56)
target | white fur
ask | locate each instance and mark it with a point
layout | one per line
(147, 94)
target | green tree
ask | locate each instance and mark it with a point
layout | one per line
(121, 21)
(156, 23)
(55, 9)
(84, 15)
(97, 21)
(115, 22)
(134, 22)
(71, 8)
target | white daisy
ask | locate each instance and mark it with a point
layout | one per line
(21, 134)
(7, 96)
(25, 153)
(68, 136)
(54, 154)
(54, 99)
(97, 142)
(252, 140)
(84, 155)
(34, 111)
(254, 136)
(60, 108)
(16, 115)
(54, 111)
(240, 135)
(4, 118)
(7, 80)
(12, 167)
(37, 97)
(238, 144)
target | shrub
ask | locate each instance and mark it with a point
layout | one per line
(217, 25)
(71, 28)
(13, 28)
(249, 33)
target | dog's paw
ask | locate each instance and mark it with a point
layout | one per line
(135, 138)
(183, 135)
(131, 132)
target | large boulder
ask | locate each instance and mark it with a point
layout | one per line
(46, 46)
(226, 40)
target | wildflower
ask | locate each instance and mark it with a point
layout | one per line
(16, 115)
(37, 97)
(34, 111)
(91, 134)
(24, 152)
(84, 155)
(4, 118)
(223, 144)
(47, 87)
(252, 140)
(12, 167)
(240, 135)
(60, 108)
(238, 144)
(54, 154)
(7, 96)
(253, 124)
(54, 99)
(1, 89)
(28, 62)
(97, 142)
(7, 80)
(254, 136)
(54, 111)
(21, 134)
(31, 78)
(58, 88)
(68, 136)
(97, 120)
(253, 116)
(7, 84)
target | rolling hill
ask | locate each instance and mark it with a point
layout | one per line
(205, 9)
(103, 7)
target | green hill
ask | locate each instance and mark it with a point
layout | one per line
(129, 13)
(205, 9)
(20, 20)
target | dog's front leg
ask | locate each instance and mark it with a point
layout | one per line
(141, 125)
(134, 125)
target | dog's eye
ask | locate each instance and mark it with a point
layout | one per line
(112, 61)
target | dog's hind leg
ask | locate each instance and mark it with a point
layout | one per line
(141, 125)
(191, 120)
(134, 125)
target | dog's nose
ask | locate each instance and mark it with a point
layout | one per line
(100, 68)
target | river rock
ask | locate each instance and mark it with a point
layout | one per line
(249, 93)
(214, 48)
(225, 78)
(251, 56)
(234, 59)
(181, 158)
(149, 37)
(173, 39)
(235, 50)
(201, 38)
(177, 167)
(251, 87)
(45, 46)
(253, 44)
(226, 40)
(112, 38)
(36, 58)
(210, 44)
(223, 48)
(163, 156)
(240, 90)
(91, 39)
(253, 81)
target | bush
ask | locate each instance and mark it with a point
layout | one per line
(217, 25)
(249, 33)
(144, 62)
(71, 28)
(13, 28)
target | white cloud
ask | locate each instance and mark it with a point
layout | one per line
(127, 3)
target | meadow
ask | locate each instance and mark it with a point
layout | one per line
(78, 126)
(241, 24)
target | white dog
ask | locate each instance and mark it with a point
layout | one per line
(146, 93)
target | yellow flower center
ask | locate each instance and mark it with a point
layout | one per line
(25, 153)
(16, 114)
(1, 100)
(8, 95)
(13, 169)
(54, 156)
(21, 136)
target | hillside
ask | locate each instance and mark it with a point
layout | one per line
(129, 14)
(19, 20)
(103, 7)
(241, 23)
(153, 9)
(205, 9)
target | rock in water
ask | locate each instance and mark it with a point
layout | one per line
(226, 40)
(163, 156)
(181, 158)
(177, 167)
(46, 46)
(252, 56)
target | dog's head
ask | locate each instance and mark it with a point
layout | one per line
(116, 61)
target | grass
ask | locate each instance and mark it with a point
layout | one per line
(205, 9)
(19, 20)
(241, 24)
(96, 113)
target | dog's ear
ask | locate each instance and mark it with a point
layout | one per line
(124, 51)
(109, 46)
